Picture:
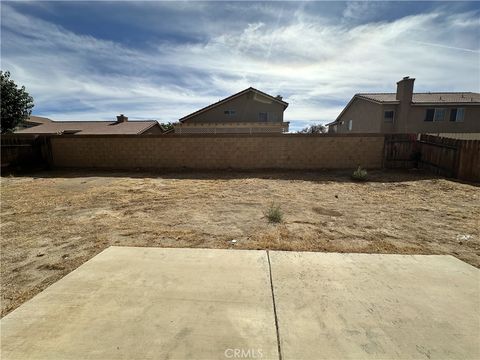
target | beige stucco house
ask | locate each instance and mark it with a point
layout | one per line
(409, 112)
(247, 112)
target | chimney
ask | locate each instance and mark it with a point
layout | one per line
(122, 118)
(405, 90)
(279, 97)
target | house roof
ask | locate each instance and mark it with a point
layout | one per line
(38, 119)
(91, 127)
(430, 98)
(426, 98)
(231, 98)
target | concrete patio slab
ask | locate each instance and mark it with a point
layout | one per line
(355, 306)
(150, 303)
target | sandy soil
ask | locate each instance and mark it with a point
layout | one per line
(53, 222)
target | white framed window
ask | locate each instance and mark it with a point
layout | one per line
(439, 114)
(350, 125)
(263, 116)
(457, 114)
(230, 112)
(388, 116)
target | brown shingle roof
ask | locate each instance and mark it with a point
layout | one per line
(91, 127)
(427, 98)
(38, 120)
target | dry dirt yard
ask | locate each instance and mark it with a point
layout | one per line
(53, 222)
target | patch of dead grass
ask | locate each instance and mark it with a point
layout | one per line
(69, 218)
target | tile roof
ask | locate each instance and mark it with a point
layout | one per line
(91, 127)
(427, 98)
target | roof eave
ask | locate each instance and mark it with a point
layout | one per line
(389, 102)
(445, 103)
(332, 123)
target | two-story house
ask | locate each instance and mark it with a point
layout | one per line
(409, 112)
(247, 112)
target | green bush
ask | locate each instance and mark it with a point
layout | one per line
(360, 174)
(274, 214)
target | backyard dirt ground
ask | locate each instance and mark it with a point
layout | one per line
(52, 222)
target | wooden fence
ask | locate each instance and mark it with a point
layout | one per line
(469, 160)
(443, 156)
(24, 151)
(400, 151)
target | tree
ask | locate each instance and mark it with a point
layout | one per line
(167, 126)
(16, 104)
(314, 129)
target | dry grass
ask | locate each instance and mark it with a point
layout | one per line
(54, 222)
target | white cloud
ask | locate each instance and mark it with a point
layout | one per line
(362, 9)
(315, 64)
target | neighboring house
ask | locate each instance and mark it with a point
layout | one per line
(249, 111)
(44, 126)
(409, 112)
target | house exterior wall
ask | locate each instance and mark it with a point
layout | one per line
(388, 127)
(219, 151)
(246, 107)
(364, 115)
(368, 117)
(417, 124)
(244, 120)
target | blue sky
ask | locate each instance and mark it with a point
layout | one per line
(164, 60)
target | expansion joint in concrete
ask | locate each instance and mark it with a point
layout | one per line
(274, 307)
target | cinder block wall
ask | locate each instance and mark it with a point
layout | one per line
(219, 151)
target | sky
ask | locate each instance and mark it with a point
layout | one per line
(163, 60)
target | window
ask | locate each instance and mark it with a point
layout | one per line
(230, 112)
(350, 125)
(439, 115)
(429, 114)
(263, 116)
(388, 116)
(457, 114)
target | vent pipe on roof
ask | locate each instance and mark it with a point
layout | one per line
(122, 118)
(279, 97)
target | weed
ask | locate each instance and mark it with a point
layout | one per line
(274, 214)
(360, 174)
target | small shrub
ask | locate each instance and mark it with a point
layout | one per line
(274, 214)
(360, 174)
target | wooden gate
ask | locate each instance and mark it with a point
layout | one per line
(400, 151)
(24, 151)
(439, 155)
